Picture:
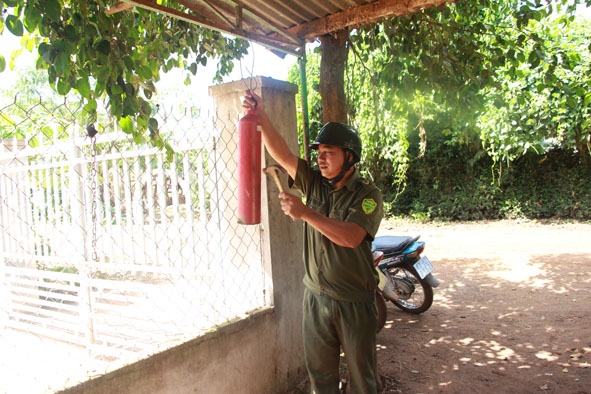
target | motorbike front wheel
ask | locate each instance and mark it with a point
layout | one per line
(416, 295)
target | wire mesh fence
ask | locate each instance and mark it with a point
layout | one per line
(110, 249)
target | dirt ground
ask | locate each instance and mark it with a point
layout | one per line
(512, 313)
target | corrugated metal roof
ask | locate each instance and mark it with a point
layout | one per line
(284, 25)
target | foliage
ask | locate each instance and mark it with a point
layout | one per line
(444, 186)
(445, 65)
(552, 185)
(448, 100)
(114, 57)
(383, 134)
(312, 64)
(539, 104)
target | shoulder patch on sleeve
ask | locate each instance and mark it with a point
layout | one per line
(369, 205)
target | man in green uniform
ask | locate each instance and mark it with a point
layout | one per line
(341, 217)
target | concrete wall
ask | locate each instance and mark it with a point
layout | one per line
(261, 354)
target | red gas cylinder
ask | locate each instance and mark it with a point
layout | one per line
(249, 169)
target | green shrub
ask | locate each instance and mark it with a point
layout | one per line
(450, 186)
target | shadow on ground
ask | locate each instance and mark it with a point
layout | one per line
(497, 325)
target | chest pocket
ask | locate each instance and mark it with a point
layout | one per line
(336, 213)
(328, 208)
(318, 205)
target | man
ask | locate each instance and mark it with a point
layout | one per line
(341, 217)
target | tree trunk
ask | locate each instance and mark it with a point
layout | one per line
(332, 76)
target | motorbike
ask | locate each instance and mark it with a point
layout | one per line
(406, 277)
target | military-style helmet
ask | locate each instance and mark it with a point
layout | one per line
(341, 135)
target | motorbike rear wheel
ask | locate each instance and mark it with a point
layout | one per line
(417, 301)
(382, 310)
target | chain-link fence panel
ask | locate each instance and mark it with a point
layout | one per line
(109, 248)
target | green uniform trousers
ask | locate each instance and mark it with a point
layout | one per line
(327, 326)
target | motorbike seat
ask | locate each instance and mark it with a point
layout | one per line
(392, 244)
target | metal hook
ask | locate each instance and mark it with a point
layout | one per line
(250, 72)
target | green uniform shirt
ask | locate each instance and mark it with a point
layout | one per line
(345, 274)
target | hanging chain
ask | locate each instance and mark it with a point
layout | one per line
(93, 180)
(250, 71)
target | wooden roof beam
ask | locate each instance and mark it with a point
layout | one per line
(362, 15)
